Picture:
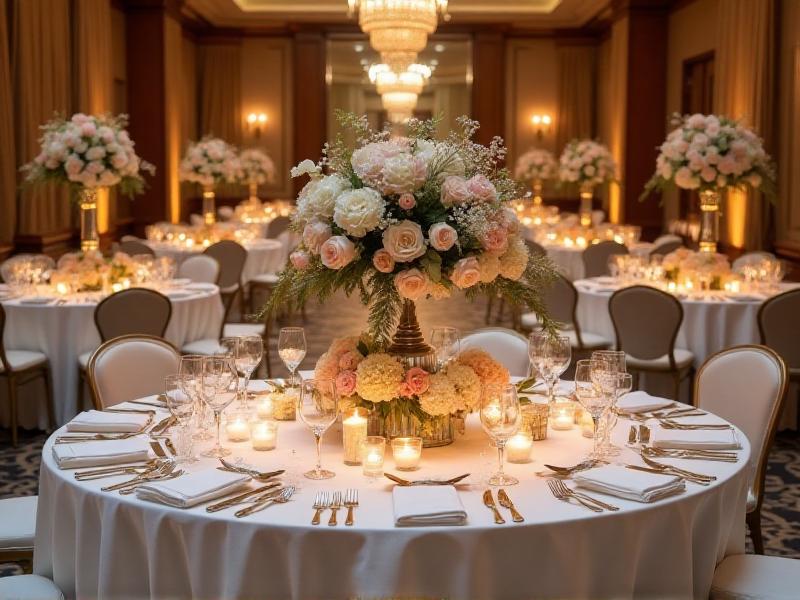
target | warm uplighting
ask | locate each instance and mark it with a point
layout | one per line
(255, 122)
(541, 124)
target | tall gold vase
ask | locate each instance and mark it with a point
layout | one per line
(87, 202)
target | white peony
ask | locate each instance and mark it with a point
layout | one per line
(306, 167)
(318, 198)
(359, 211)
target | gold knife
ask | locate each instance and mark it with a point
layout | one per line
(488, 500)
(239, 498)
(506, 502)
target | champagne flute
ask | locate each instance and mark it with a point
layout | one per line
(616, 361)
(446, 342)
(249, 351)
(318, 407)
(292, 349)
(550, 356)
(191, 370)
(181, 406)
(220, 387)
(591, 395)
(501, 418)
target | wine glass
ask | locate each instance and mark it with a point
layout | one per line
(446, 342)
(248, 355)
(292, 349)
(191, 370)
(591, 393)
(615, 357)
(501, 418)
(228, 346)
(318, 407)
(181, 406)
(616, 361)
(550, 356)
(220, 387)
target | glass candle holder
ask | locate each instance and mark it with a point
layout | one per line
(354, 432)
(562, 416)
(264, 408)
(586, 424)
(373, 450)
(237, 427)
(534, 420)
(284, 405)
(406, 452)
(264, 435)
(519, 447)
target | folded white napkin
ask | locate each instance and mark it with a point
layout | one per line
(628, 483)
(427, 505)
(640, 401)
(96, 421)
(96, 454)
(192, 489)
(698, 439)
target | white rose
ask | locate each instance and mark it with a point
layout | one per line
(318, 197)
(404, 241)
(306, 167)
(359, 211)
(403, 173)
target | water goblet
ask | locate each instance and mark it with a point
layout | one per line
(550, 356)
(501, 419)
(292, 350)
(592, 381)
(446, 343)
(191, 370)
(248, 355)
(181, 406)
(220, 387)
(318, 407)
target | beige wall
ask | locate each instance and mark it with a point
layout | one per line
(788, 217)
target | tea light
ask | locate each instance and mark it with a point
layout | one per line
(354, 432)
(587, 425)
(518, 448)
(563, 416)
(264, 409)
(264, 435)
(62, 288)
(116, 287)
(407, 452)
(372, 452)
(237, 429)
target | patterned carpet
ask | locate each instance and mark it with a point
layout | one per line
(19, 468)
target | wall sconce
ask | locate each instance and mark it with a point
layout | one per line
(541, 124)
(255, 121)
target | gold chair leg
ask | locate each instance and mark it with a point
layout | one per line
(12, 403)
(753, 520)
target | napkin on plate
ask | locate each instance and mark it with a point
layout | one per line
(630, 484)
(97, 454)
(698, 439)
(639, 401)
(192, 489)
(97, 421)
(427, 505)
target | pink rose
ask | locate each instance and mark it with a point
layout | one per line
(466, 273)
(404, 241)
(349, 360)
(345, 383)
(442, 236)
(407, 201)
(88, 129)
(411, 284)
(383, 261)
(300, 259)
(509, 220)
(404, 390)
(495, 239)
(315, 234)
(418, 380)
(454, 190)
(337, 252)
(481, 188)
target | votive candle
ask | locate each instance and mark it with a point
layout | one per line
(372, 453)
(265, 409)
(563, 416)
(518, 448)
(354, 432)
(237, 429)
(407, 452)
(264, 435)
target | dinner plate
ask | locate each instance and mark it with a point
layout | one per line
(178, 294)
(201, 287)
(180, 282)
(37, 300)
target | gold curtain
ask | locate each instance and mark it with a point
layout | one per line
(41, 76)
(743, 89)
(220, 91)
(575, 93)
(8, 163)
(617, 106)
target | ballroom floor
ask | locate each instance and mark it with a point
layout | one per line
(19, 468)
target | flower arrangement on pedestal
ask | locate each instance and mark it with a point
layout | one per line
(89, 152)
(257, 169)
(704, 269)
(709, 153)
(210, 162)
(537, 166)
(91, 271)
(586, 163)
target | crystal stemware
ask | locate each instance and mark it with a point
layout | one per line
(292, 349)
(593, 379)
(318, 407)
(550, 356)
(446, 342)
(501, 419)
(191, 370)
(616, 361)
(181, 406)
(248, 355)
(220, 387)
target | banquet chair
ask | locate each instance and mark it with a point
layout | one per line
(665, 248)
(200, 269)
(779, 325)
(134, 248)
(750, 258)
(231, 257)
(225, 213)
(130, 367)
(561, 300)
(595, 257)
(128, 312)
(667, 237)
(749, 576)
(277, 226)
(29, 587)
(646, 324)
(507, 346)
(746, 385)
(17, 528)
(19, 367)
(535, 248)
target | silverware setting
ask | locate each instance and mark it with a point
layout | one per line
(670, 424)
(261, 502)
(506, 502)
(560, 490)
(162, 470)
(401, 481)
(567, 471)
(117, 470)
(716, 455)
(677, 471)
(321, 501)
(240, 497)
(488, 501)
(335, 505)
(132, 488)
(667, 413)
(350, 502)
(257, 475)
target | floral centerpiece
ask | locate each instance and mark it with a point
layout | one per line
(210, 162)
(536, 165)
(705, 268)
(89, 152)
(257, 169)
(91, 271)
(588, 164)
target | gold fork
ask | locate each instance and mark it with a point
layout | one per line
(321, 502)
(350, 501)
(335, 506)
(564, 496)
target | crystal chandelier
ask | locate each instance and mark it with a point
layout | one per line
(399, 91)
(398, 29)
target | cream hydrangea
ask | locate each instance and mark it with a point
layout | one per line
(439, 291)
(514, 261)
(488, 266)
(318, 198)
(379, 377)
(468, 385)
(485, 367)
(358, 211)
(441, 397)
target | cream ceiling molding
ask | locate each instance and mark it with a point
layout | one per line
(521, 7)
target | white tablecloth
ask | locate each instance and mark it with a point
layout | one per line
(66, 331)
(96, 544)
(263, 256)
(569, 260)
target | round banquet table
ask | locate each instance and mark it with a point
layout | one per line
(104, 545)
(569, 260)
(263, 256)
(65, 331)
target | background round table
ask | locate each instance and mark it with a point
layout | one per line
(65, 331)
(96, 544)
(569, 259)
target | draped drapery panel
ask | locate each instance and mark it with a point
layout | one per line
(220, 91)
(576, 93)
(8, 154)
